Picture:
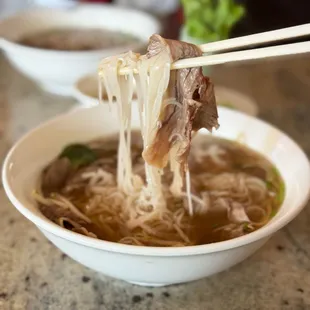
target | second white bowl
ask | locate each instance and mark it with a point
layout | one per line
(56, 71)
(85, 90)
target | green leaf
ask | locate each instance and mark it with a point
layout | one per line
(269, 185)
(273, 213)
(281, 193)
(78, 154)
(246, 227)
(211, 20)
(272, 175)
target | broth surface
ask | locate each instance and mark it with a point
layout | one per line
(77, 39)
(234, 192)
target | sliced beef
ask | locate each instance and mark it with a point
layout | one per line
(55, 175)
(55, 213)
(195, 106)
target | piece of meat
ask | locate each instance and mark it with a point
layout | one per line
(195, 108)
(55, 213)
(55, 175)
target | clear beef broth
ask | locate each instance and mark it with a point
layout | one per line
(217, 166)
(233, 158)
(77, 39)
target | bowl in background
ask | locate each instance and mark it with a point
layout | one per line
(152, 266)
(85, 90)
(56, 71)
(235, 100)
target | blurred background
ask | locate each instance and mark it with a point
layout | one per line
(257, 15)
(51, 83)
(37, 84)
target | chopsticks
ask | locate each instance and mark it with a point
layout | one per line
(246, 41)
(254, 54)
(259, 38)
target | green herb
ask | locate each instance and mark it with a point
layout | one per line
(79, 155)
(269, 185)
(275, 174)
(211, 20)
(273, 213)
(281, 193)
(246, 227)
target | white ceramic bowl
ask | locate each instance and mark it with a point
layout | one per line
(56, 71)
(85, 90)
(235, 100)
(150, 265)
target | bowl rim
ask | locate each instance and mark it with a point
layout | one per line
(85, 100)
(76, 9)
(81, 96)
(52, 228)
(248, 102)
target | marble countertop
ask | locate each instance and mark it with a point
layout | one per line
(34, 275)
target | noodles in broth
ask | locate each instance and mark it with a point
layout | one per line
(129, 189)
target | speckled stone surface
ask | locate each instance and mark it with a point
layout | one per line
(34, 275)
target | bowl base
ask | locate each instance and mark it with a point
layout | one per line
(150, 284)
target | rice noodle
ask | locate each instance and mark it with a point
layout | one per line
(152, 82)
(215, 152)
(188, 192)
(131, 210)
(134, 219)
